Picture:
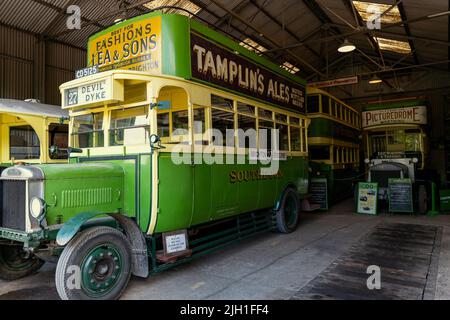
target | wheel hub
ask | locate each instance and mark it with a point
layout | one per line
(101, 269)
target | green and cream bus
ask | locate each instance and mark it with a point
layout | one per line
(149, 185)
(334, 139)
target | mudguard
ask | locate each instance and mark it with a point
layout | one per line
(139, 255)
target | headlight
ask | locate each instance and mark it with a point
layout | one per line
(37, 208)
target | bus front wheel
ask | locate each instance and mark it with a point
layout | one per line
(96, 264)
(287, 214)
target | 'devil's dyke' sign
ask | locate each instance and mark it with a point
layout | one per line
(214, 64)
(318, 189)
(367, 198)
(400, 195)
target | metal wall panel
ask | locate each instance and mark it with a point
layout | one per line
(19, 52)
(54, 78)
(18, 82)
(16, 43)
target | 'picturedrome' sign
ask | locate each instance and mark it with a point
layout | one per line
(214, 64)
(407, 115)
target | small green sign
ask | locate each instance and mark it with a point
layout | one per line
(400, 195)
(367, 198)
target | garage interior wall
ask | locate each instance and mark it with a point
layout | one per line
(34, 68)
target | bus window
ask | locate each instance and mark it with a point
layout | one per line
(163, 125)
(280, 117)
(266, 114)
(283, 136)
(221, 121)
(395, 141)
(295, 139)
(313, 104)
(58, 136)
(335, 109)
(129, 126)
(294, 121)
(378, 143)
(304, 140)
(319, 152)
(23, 143)
(325, 104)
(221, 102)
(199, 121)
(245, 108)
(87, 131)
(412, 140)
(265, 137)
(180, 122)
(247, 131)
(336, 155)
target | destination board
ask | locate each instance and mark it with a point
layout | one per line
(318, 189)
(400, 195)
(367, 198)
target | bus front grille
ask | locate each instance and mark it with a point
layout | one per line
(13, 201)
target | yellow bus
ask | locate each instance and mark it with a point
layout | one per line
(28, 130)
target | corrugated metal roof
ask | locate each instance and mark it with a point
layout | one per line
(296, 18)
(30, 108)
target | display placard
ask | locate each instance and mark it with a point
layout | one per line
(400, 195)
(176, 243)
(367, 198)
(318, 189)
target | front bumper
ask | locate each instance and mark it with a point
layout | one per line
(29, 239)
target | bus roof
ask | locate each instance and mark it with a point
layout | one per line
(31, 108)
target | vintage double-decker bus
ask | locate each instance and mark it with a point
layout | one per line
(28, 130)
(395, 137)
(334, 139)
(149, 184)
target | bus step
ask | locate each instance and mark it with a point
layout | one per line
(309, 207)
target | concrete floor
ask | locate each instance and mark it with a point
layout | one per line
(270, 266)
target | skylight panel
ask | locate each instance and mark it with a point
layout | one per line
(393, 45)
(252, 45)
(184, 4)
(290, 67)
(366, 11)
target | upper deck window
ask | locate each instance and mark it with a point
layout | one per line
(23, 143)
(220, 102)
(265, 114)
(245, 108)
(325, 104)
(87, 131)
(313, 104)
(129, 126)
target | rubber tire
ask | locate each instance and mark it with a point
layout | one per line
(282, 226)
(8, 274)
(423, 199)
(74, 253)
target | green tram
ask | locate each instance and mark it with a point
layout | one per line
(149, 185)
(396, 140)
(334, 139)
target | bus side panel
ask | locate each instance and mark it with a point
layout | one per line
(175, 195)
(145, 192)
(223, 193)
(202, 193)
